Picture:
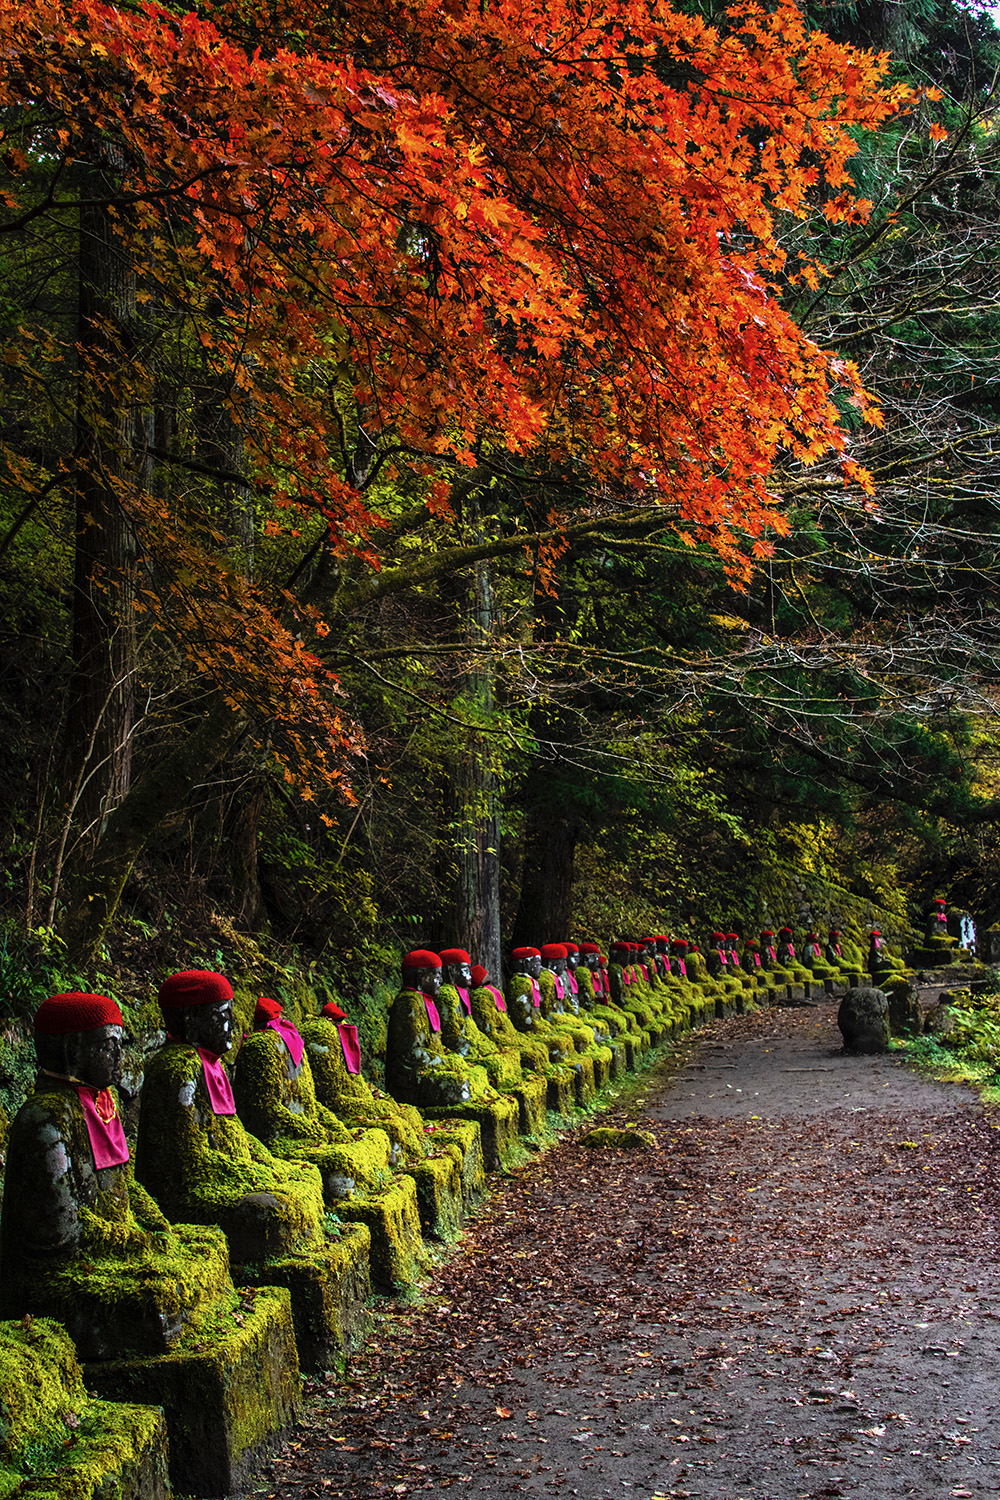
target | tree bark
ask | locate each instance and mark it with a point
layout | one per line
(96, 879)
(112, 444)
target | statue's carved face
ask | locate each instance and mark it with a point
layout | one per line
(460, 974)
(427, 980)
(95, 1057)
(572, 961)
(530, 967)
(210, 1026)
(593, 961)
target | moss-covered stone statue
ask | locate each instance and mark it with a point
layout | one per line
(201, 1165)
(595, 999)
(79, 1241)
(276, 1101)
(627, 995)
(419, 1068)
(445, 1160)
(524, 1007)
(592, 1060)
(461, 1033)
(579, 998)
(149, 1305)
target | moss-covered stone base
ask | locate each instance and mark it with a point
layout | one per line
(329, 1286)
(497, 1120)
(560, 1091)
(393, 1220)
(465, 1138)
(228, 1390)
(440, 1202)
(56, 1441)
(619, 1140)
(530, 1094)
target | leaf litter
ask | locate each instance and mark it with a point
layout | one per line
(769, 1306)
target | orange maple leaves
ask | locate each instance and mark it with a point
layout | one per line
(534, 226)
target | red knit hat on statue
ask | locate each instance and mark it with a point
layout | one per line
(454, 956)
(571, 947)
(334, 1012)
(74, 1011)
(552, 951)
(265, 1010)
(194, 987)
(526, 953)
(589, 948)
(478, 975)
(421, 958)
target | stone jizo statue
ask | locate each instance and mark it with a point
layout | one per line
(80, 1241)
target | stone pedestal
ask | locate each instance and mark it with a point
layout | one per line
(57, 1441)
(229, 1390)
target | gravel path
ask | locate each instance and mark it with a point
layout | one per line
(795, 1295)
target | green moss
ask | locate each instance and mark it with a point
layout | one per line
(228, 1389)
(55, 1439)
(199, 1165)
(351, 1097)
(74, 1249)
(418, 1067)
(620, 1140)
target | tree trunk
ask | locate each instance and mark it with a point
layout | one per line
(112, 443)
(96, 880)
(545, 910)
(473, 851)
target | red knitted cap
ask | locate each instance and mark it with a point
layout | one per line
(265, 1010)
(194, 987)
(454, 956)
(734, 935)
(767, 932)
(589, 948)
(603, 960)
(620, 947)
(61, 1014)
(784, 932)
(421, 958)
(834, 932)
(570, 947)
(333, 1011)
(718, 937)
(553, 950)
(526, 953)
(478, 974)
(678, 942)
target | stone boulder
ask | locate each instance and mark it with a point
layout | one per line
(863, 1019)
(906, 1014)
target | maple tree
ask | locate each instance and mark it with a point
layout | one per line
(384, 253)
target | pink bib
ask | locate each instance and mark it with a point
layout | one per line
(220, 1093)
(463, 995)
(432, 1012)
(560, 993)
(290, 1037)
(574, 983)
(756, 959)
(501, 1003)
(107, 1138)
(536, 994)
(350, 1047)
(682, 966)
(771, 954)
(627, 976)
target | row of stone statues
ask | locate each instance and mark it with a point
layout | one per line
(262, 1203)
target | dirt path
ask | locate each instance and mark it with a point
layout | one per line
(795, 1295)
